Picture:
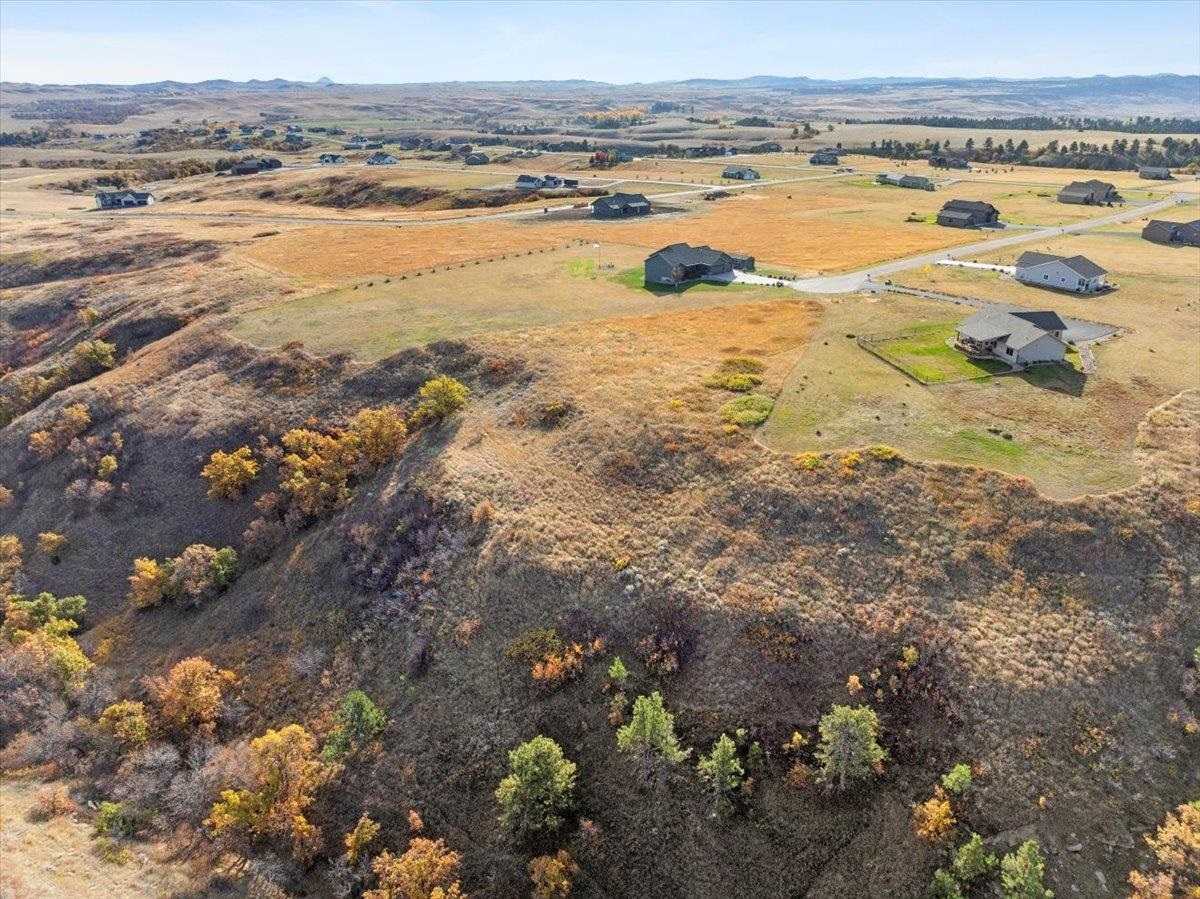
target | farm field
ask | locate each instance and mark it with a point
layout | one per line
(520, 292)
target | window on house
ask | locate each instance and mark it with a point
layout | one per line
(1008, 350)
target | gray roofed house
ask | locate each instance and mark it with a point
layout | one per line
(1018, 338)
(1077, 274)
(823, 157)
(740, 172)
(331, 159)
(620, 206)
(381, 159)
(123, 199)
(1088, 193)
(529, 182)
(916, 182)
(680, 263)
(1173, 233)
(476, 159)
(967, 214)
(254, 166)
(1155, 173)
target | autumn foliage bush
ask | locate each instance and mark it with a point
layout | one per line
(229, 474)
(71, 422)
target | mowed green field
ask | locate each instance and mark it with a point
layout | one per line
(517, 293)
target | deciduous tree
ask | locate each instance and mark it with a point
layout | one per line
(427, 870)
(190, 698)
(359, 721)
(229, 474)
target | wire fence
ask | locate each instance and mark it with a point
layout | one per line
(877, 345)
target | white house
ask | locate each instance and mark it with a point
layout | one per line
(740, 173)
(1077, 274)
(1018, 338)
(382, 159)
(123, 199)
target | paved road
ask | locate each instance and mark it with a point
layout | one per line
(855, 281)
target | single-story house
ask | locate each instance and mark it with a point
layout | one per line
(823, 157)
(1173, 233)
(620, 206)
(123, 199)
(291, 128)
(373, 145)
(1088, 193)
(552, 181)
(1077, 274)
(916, 182)
(330, 159)
(269, 132)
(221, 132)
(967, 214)
(381, 159)
(354, 145)
(570, 182)
(680, 264)
(237, 147)
(941, 161)
(293, 138)
(246, 129)
(740, 173)
(476, 159)
(1018, 338)
(1155, 173)
(254, 166)
(530, 182)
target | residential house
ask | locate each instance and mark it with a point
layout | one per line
(292, 129)
(530, 182)
(381, 159)
(571, 183)
(246, 129)
(476, 159)
(269, 133)
(123, 199)
(221, 132)
(624, 156)
(354, 145)
(373, 145)
(740, 173)
(237, 147)
(254, 166)
(941, 161)
(1186, 234)
(680, 264)
(620, 206)
(967, 214)
(293, 138)
(330, 159)
(915, 182)
(1155, 173)
(1018, 338)
(824, 157)
(1088, 193)
(552, 182)
(1077, 274)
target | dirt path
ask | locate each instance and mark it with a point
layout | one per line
(43, 859)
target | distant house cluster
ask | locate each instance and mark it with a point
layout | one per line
(740, 173)
(1018, 338)
(254, 166)
(680, 263)
(1077, 274)
(123, 199)
(967, 214)
(621, 206)
(824, 157)
(1088, 193)
(915, 182)
(1180, 234)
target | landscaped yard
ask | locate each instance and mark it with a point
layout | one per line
(925, 353)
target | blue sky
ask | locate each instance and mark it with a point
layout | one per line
(374, 41)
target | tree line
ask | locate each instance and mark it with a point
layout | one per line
(1137, 125)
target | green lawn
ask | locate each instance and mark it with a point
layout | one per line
(925, 355)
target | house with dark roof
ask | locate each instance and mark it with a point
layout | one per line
(620, 206)
(680, 263)
(824, 157)
(1077, 274)
(1018, 338)
(381, 159)
(1178, 234)
(254, 166)
(476, 159)
(123, 199)
(330, 159)
(1088, 193)
(942, 161)
(740, 173)
(237, 147)
(967, 214)
(1155, 173)
(530, 182)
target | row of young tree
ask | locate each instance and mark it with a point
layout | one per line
(1134, 125)
(1120, 155)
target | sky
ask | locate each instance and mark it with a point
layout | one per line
(382, 42)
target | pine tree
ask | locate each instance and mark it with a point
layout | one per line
(849, 749)
(651, 732)
(538, 789)
(722, 771)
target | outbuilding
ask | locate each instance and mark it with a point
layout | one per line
(1077, 274)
